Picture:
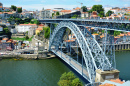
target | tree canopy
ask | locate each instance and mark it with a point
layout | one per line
(84, 8)
(117, 33)
(74, 16)
(69, 79)
(13, 7)
(34, 21)
(46, 32)
(109, 13)
(7, 32)
(99, 9)
(19, 10)
(57, 13)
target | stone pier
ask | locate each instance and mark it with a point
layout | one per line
(101, 76)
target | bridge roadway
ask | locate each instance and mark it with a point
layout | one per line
(71, 62)
(92, 20)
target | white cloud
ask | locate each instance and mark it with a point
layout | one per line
(126, 5)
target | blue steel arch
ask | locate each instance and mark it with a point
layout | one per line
(85, 45)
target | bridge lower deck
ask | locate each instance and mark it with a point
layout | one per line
(74, 64)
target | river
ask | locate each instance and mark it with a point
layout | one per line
(47, 72)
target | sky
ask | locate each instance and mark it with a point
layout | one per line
(67, 4)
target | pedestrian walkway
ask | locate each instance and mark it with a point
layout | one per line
(74, 64)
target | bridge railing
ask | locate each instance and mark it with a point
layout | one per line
(89, 19)
(71, 59)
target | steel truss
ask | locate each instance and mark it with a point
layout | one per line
(95, 58)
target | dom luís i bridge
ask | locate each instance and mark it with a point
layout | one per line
(72, 41)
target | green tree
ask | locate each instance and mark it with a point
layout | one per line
(117, 33)
(19, 10)
(69, 79)
(84, 8)
(26, 32)
(13, 7)
(6, 30)
(109, 13)
(76, 82)
(34, 21)
(46, 32)
(26, 37)
(38, 34)
(99, 9)
(74, 16)
(52, 14)
(57, 13)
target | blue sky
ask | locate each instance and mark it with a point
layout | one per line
(67, 4)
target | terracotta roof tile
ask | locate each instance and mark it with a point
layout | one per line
(95, 34)
(55, 10)
(27, 24)
(117, 81)
(69, 40)
(5, 39)
(67, 11)
(77, 8)
(107, 84)
(48, 9)
(19, 7)
(39, 29)
(8, 12)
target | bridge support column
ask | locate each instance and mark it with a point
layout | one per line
(101, 76)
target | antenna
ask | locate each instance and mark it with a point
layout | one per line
(80, 3)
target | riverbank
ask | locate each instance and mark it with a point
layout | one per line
(43, 55)
(123, 50)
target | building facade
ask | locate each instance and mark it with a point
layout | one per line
(23, 28)
(46, 13)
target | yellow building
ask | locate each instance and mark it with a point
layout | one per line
(38, 30)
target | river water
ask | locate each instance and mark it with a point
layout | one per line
(48, 72)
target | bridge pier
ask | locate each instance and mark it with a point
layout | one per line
(101, 76)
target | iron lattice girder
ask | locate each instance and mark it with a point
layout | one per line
(86, 44)
(98, 23)
(99, 57)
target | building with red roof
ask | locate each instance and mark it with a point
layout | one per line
(63, 12)
(23, 28)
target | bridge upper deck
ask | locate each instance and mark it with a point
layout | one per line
(118, 25)
(86, 20)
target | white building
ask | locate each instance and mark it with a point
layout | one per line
(23, 28)
(46, 13)
(84, 14)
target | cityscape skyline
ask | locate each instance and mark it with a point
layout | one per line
(67, 4)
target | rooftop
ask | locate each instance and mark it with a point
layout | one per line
(65, 10)
(39, 29)
(5, 39)
(77, 8)
(26, 24)
(117, 81)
